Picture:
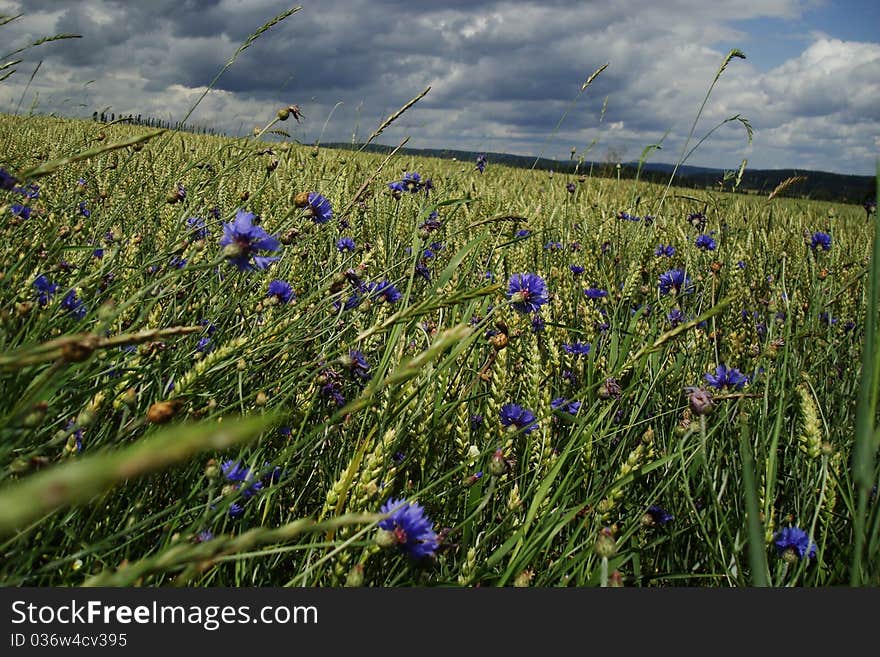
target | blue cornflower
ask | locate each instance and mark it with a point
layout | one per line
(74, 305)
(482, 161)
(23, 211)
(76, 433)
(251, 489)
(674, 279)
(384, 290)
(595, 293)
(577, 348)
(697, 220)
(795, 541)
(664, 250)
(514, 415)
(241, 238)
(826, 318)
(234, 471)
(83, 210)
(537, 323)
(281, 291)
(412, 530)
(357, 363)
(237, 473)
(561, 404)
(204, 536)
(352, 302)
(204, 345)
(319, 208)
(659, 515)
(177, 262)
(423, 271)
(45, 289)
(705, 243)
(675, 317)
(432, 223)
(476, 421)
(527, 292)
(577, 270)
(273, 474)
(197, 228)
(411, 182)
(822, 240)
(570, 187)
(331, 390)
(31, 191)
(523, 232)
(553, 246)
(344, 244)
(7, 180)
(724, 377)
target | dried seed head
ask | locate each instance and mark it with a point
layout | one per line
(499, 341)
(162, 412)
(701, 401)
(77, 352)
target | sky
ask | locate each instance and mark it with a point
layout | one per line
(505, 76)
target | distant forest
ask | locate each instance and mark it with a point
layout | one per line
(816, 185)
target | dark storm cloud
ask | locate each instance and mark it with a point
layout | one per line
(502, 73)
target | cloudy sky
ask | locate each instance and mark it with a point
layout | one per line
(502, 74)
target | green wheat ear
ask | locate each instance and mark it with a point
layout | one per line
(734, 53)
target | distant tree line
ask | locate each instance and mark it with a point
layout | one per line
(818, 185)
(153, 122)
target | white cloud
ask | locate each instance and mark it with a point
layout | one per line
(502, 73)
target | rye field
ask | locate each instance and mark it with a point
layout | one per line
(240, 362)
